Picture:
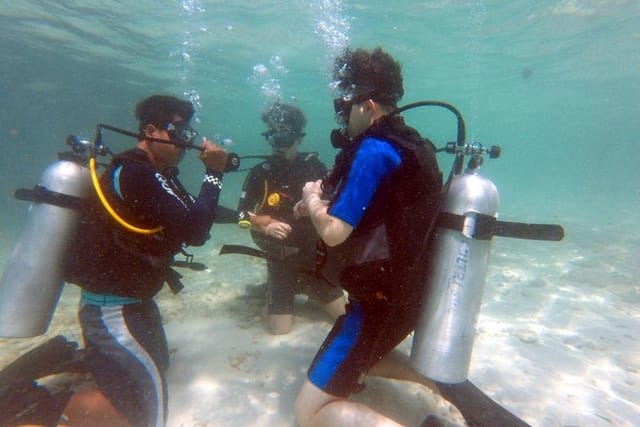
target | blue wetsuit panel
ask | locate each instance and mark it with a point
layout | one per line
(337, 349)
(374, 161)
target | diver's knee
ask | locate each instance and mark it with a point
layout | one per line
(309, 403)
(303, 411)
(336, 308)
(279, 324)
(91, 408)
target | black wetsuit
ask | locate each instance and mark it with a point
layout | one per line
(272, 188)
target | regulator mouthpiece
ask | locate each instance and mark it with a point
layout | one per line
(339, 138)
(233, 162)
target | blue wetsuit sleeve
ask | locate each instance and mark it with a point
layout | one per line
(373, 162)
(163, 201)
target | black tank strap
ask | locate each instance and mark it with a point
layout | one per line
(487, 226)
(41, 194)
(246, 250)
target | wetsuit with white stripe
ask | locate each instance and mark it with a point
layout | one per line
(120, 272)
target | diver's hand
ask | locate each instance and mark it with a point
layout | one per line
(300, 210)
(278, 230)
(213, 156)
(311, 190)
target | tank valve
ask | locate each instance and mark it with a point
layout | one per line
(473, 148)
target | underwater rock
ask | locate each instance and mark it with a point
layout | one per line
(526, 336)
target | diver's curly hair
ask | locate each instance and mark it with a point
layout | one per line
(159, 110)
(374, 73)
(284, 118)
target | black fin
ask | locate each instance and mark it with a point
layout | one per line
(46, 359)
(478, 409)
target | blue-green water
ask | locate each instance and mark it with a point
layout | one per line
(556, 83)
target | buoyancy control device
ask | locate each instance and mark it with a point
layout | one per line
(459, 258)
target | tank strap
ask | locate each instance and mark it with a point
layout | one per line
(246, 250)
(484, 227)
(41, 194)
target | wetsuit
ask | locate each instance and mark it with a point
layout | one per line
(272, 188)
(386, 185)
(120, 272)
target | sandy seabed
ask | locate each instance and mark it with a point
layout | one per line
(558, 338)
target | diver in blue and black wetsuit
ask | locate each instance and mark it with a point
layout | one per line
(266, 206)
(120, 270)
(374, 214)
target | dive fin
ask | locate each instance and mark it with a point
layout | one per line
(22, 399)
(33, 405)
(49, 358)
(478, 409)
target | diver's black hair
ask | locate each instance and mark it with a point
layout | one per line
(284, 119)
(159, 110)
(375, 74)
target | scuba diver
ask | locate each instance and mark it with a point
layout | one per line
(375, 214)
(383, 200)
(266, 207)
(130, 228)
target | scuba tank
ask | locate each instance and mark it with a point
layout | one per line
(32, 281)
(458, 260)
(444, 336)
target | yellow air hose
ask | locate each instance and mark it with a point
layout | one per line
(105, 203)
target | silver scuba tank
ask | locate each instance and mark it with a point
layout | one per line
(444, 335)
(32, 280)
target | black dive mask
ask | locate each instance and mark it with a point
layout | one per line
(283, 138)
(181, 132)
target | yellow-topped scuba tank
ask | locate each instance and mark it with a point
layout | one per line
(33, 278)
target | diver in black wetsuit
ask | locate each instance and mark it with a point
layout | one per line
(120, 270)
(266, 206)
